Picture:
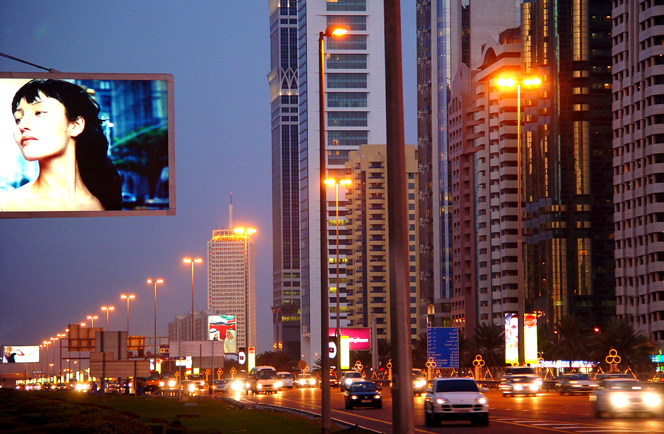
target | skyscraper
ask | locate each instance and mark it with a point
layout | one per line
(231, 281)
(638, 157)
(355, 99)
(285, 175)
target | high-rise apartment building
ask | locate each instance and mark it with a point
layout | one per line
(368, 253)
(285, 177)
(231, 281)
(566, 262)
(449, 33)
(638, 164)
(355, 115)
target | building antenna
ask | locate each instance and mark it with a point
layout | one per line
(230, 213)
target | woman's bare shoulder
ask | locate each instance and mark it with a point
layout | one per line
(20, 199)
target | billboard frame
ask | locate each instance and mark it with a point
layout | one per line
(170, 107)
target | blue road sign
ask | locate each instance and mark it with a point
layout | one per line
(443, 346)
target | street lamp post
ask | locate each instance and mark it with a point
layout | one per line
(46, 344)
(53, 363)
(60, 337)
(155, 281)
(92, 319)
(246, 232)
(192, 262)
(127, 297)
(107, 309)
(510, 82)
(326, 421)
(344, 182)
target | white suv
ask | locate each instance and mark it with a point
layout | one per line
(263, 379)
(348, 378)
(455, 399)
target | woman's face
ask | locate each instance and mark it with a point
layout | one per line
(229, 335)
(42, 128)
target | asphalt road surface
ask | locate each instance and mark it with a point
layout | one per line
(547, 412)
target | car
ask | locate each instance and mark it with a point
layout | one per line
(263, 379)
(348, 378)
(305, 380)
(617, 396)
(362, 394)
(576, 383)
(238, 383)
(520, 385)
(219, 386)
(199, 380)
(188, 386)
(455, 399)
(419, 382)
(168, 383)
(112, 386)
(286, 379)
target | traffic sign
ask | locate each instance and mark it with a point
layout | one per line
(443, 346)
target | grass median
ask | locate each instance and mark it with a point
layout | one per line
(70, 412)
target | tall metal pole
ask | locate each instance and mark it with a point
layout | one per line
(402, 389)
(338, 331)
(521, 295)
(155, 281)
(192, 300)
(326, 421)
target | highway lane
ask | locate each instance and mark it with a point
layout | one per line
(545, 413)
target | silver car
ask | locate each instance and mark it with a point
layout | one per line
(625, 396)
(576, 383)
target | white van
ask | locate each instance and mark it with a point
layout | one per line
(263, 379)
(286, 379)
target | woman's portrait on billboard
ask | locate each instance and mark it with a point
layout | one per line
(58, 126)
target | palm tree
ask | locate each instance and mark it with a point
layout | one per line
(280, 360)
(633, 348)
(573, 339)
(489, 342)
(420, 351)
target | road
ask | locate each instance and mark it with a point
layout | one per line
(545, 413)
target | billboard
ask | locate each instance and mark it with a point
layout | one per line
(359, 338)
(111, 136)
(20, 354)
(530, 338)
(224, 328)
(511, 338)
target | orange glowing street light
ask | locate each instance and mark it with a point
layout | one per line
(192, 262)
(92, 318)
(107, 309)
(127, 297)
(155, 281)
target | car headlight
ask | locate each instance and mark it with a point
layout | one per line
(202, 383)
(259, 386)
(236, 385)
(376, 396)
(161, 384)
(192, 387)
(442, 401)
(534, 386)
(619, 400)
(353, 397)
(420, 383)
(518, 387)
(278, 385)
(171, 383)
(348, 381)
(652, 399)
(538, 383)
(481, 400)
(312, 381)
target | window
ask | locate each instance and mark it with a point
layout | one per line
(347, 138)
(350, 81)
(346, 99)
(346, 5)
(351, 22)
(347, 61)
(347, 119)
(348, 42)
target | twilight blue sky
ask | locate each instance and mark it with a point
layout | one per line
(57, 271)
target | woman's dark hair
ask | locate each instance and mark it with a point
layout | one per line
(96, 169)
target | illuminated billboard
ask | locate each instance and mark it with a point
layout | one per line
(530, 338)
(224, 328)
(86, 145)
(511, 338)
(20, 354)
(359, 338)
